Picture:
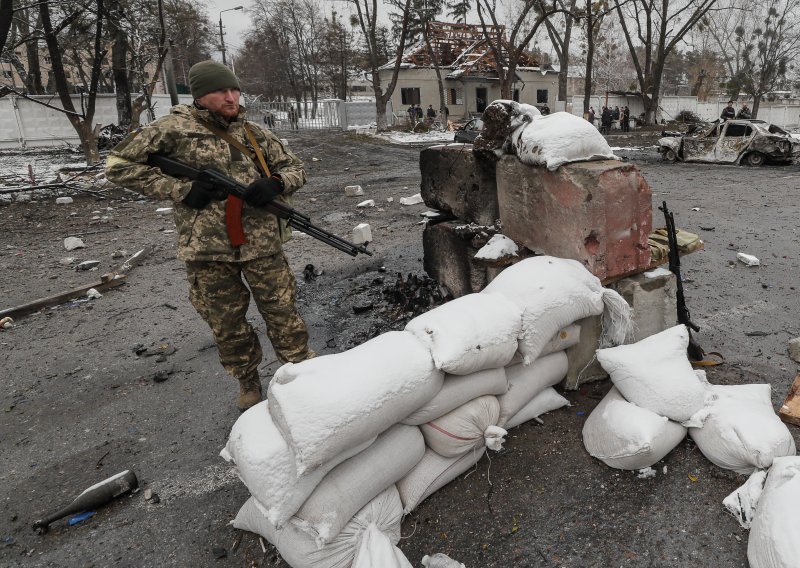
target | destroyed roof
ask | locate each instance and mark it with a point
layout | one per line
(460, 47)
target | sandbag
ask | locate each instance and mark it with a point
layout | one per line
(470, 426)
(559, 138)
(431, 474)
(377, 550)
(625, 436)
(561, 341)
(527, 381)
(741, 431)
(554, 293)
(266, 466)
(458, 390)
(330, 404)
(742, 503)
(775, 532)
(471, 333)
(300, 550)
(440, 560)
(544, 402)
(353, 483)
(655, 373)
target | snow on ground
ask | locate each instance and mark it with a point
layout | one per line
(417, 138)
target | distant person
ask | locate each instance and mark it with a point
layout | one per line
(431, 114)
(294, 118)
(412, 115)
(606, 118)
(419, 113)
(591, 116)
(624, 119)
(744, 112)
(728, 112)
(615, 113)
(545, 109)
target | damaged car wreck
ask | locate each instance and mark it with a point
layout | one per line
(751, 142)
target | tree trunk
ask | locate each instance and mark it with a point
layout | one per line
(756, 104)
(587, 83)
(6, 11)
(439, 81)
(119, 58)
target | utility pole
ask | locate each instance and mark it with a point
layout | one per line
(222, 34)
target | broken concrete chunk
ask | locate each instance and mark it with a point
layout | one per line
(164, 210)
(66, 261)
(362, 233)
(747, 259)
(87, 265)
(353, 190)
(119, 253)
(794, 349)
(63, 200)
(367, 203)
(93, 294)
(72, 243)
(413, 200)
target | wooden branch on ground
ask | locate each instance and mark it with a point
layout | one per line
(112, 279)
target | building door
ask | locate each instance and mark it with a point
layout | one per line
(480, 99)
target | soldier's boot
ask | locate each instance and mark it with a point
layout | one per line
(249, 391)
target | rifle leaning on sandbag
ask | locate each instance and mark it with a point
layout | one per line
(232, 187)
(694, 350)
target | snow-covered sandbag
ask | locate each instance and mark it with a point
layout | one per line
(527, 381)
(742, 431)
(330, 404)
(625, 436)
(742, 503)
(458, 390)
(470, 426)
(775, 532)
(377, 549)
(440, 560)
(471, 333)
(655, 373)
(353, 483)
(559, 138)
(300, 550)
(431, 474)
(554, 293)
(544, 402)
(265, 464)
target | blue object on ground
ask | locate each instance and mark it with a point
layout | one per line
(82, 517)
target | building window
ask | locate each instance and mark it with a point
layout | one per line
(455, 97)
(409, 96)
(516, 95)
(541, 96)
(358, 88)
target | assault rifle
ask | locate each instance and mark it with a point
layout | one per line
(232, 187)
(694, 350)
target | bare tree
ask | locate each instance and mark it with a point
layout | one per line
(6, 13)
(560, 32)
(367, 17)
(653, 28)
(82, 122)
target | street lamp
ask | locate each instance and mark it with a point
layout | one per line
(221, 35)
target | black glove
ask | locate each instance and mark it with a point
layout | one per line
(262, 191)
(201, 194)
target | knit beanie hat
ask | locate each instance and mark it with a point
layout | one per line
(210, 75)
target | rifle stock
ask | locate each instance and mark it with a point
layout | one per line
(230, 186)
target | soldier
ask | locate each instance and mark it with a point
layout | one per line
(213, 133)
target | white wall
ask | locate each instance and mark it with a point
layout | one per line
(24, 123)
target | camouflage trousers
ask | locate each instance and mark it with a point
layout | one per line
(219, 294)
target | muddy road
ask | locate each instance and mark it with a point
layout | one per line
(79, 404)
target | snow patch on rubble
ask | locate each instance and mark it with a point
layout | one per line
(499, 246)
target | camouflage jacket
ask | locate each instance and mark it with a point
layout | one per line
(180, 135)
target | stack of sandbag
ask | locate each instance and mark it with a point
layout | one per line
(502, 350)
(349, 442)
(657, 396)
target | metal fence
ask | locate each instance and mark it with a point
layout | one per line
(322, 115)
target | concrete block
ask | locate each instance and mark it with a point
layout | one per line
(448, 258)
(598, 213)
(652, 297)
(455, 181)
(362, 233)
(353, 190)
(63, 200)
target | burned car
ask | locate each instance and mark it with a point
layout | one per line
(737, 141)
(469, 132)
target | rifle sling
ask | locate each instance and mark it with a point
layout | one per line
(234, 205)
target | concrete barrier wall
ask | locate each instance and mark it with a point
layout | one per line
(24, 123)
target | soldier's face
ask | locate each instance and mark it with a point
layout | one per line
(224, 102)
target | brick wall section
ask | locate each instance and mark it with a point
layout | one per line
(599, 213)
(453, 180)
